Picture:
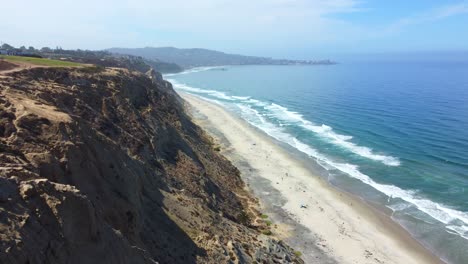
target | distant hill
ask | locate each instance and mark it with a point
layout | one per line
(100, 58)
(188, 58)
(106, 59)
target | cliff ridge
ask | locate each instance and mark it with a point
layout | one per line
(102, 165)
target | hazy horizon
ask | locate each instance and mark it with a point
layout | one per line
(460, 54)
(278, 28)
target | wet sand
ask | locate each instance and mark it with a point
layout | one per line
(325, 224)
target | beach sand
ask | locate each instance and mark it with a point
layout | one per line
(326, 225)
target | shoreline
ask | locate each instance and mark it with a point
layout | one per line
(334, 226)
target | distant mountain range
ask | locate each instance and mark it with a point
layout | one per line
(189, 58)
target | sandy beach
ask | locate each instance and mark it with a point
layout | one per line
(324, 224)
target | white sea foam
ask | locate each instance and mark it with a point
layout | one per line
(453, 219)
(193, 70)
(286, 115)
(461, 230)
(255, 102)
(241, 97)
(327, 132)
(213, 93)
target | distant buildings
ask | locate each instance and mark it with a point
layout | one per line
(11, 52)
(17, 52)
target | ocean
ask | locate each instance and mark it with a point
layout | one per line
(391, 130)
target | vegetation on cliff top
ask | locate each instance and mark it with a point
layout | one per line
(103, 165)
(41, 61)
(100, 58)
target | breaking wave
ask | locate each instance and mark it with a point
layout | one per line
(455, 221)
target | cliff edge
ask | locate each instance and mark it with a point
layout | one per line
(102, 165)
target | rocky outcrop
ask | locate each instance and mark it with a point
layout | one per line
(103, 166)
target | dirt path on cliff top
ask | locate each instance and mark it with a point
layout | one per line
(4, 65)
(8, 67)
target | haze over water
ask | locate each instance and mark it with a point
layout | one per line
(393, 130)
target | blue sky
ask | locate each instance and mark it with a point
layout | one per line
(276, 28)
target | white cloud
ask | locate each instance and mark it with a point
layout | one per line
(90, 23)
(427, 17)
(244, 26)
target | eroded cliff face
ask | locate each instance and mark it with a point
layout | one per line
(104, 166)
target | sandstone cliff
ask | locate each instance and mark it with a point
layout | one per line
(104, 166)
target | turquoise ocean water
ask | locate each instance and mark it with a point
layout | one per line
(393, 131)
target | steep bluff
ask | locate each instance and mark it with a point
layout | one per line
(104, 166)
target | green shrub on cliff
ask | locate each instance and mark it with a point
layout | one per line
(243, 218)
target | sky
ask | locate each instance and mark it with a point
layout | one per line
(273, 28)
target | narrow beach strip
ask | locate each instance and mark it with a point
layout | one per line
(325, 224)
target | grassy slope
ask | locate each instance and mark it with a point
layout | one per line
(41, 61)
